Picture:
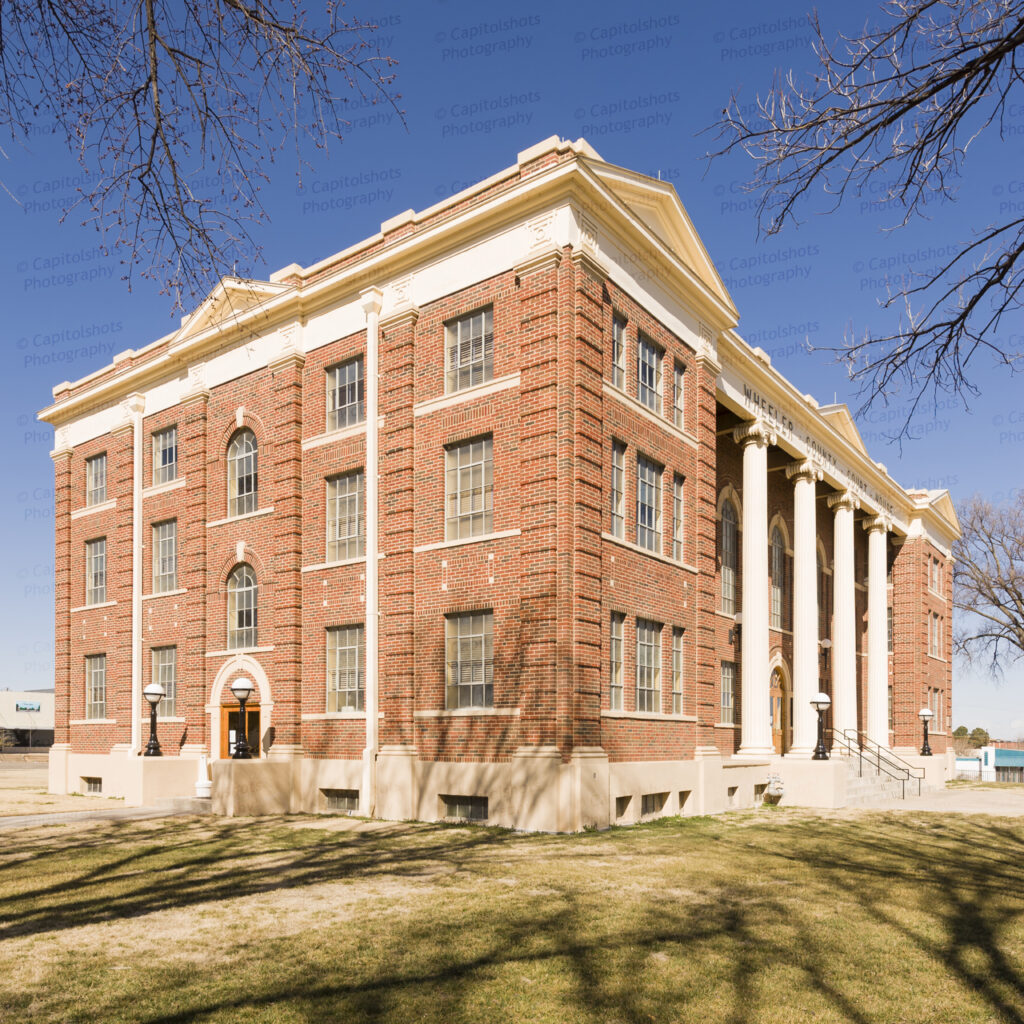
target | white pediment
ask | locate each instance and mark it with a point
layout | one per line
(841, 420)
(232, 297)
(658, 206)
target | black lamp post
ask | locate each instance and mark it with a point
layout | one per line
(242, 689)
(821, 703)
(154, 693)
(925, 714)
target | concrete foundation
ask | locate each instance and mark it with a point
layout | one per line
(535, 790)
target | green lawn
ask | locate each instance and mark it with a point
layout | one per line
(773, 916)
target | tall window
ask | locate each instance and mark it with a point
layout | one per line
(678, 395)
(648, 373)
(729, 556)
(619, 352)
(346, 531)
(934, 635)
(346, 668)
(729, 691)
(470, 350)
(242, 607)
(165, 556)
(648, 504)
(618, 485)
(824, 603)
(677, 671)
(96, 479)
(677, 518)
(615, 658)
(469, 655)
(469, 486)
(165, 455)
(165, 672)
(888, 626)
(648, 665)
(96, 686)
(242, 474)
(777, 565)
(346, 394)
(96, 571)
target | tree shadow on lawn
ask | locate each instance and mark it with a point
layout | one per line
(945, 890)
(182, 864)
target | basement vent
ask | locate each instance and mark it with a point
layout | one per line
(732, 792)
(684, 799)
(91, 784)
(652, 803)
(621, 806)
(344, 800)
(465, 808)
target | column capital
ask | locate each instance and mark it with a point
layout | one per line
(804, 470)
(844, 500)
(883, 523)
(753, 432)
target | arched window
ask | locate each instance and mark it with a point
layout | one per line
(824, 598)
(729, 555)
(242, 607)
(777, 573)
(242, 474)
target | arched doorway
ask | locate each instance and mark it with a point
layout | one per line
(223, 708)
(780, 709)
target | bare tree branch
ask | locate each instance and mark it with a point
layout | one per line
(891, 113)
(988, 581)
(174, 108)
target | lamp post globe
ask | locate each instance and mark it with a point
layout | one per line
(242, 689)
(821, 702)
(154, 693)
(925, 714)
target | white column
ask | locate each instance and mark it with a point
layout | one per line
(135, 406)
(805, 606)
(755, 727)
(878, 648)
(844, 609)
(371, 298)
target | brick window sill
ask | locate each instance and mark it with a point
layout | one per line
(165, 593)
(652, 716)
(468, 713)
(239, 650)
(341, 434)
(172, 485)
(92, 607)
(103, 506)
(482, 390)
(239, 519)
(655, 417)
(630, 546)
(726, 725)
(439, 545)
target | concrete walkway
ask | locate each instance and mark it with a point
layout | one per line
(1003, 802)
(73, 817)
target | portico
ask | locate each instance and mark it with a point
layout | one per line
(818, 503)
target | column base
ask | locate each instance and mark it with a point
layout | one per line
(799, 753)
(754, 753)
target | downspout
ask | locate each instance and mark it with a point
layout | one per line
(371, 300)
(135, 406)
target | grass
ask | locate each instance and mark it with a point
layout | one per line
(780, 916)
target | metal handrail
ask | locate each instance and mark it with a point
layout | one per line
(862, 747)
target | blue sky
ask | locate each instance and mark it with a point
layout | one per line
(641, 83)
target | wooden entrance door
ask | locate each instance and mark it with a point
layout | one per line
(778, 709)
(229, 729)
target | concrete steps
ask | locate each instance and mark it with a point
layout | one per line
(871, 787)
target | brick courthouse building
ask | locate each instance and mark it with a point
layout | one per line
(501, 518)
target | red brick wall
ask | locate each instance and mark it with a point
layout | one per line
(552, 587)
